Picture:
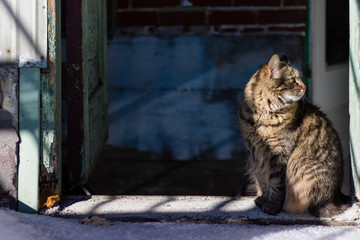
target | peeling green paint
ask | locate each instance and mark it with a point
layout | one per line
(51, 102)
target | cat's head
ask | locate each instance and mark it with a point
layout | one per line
(285, 79)
(280, 84)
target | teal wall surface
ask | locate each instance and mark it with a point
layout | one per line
(177, 96)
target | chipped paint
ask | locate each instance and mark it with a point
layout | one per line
(30, 61)
(50, 171)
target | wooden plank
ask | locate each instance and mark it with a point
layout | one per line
(354, 95)
(84, 86)
(95, 80)
(50, 175)
(29, 128)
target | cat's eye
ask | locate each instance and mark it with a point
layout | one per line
(291, 80)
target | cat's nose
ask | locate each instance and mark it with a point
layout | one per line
(303, 89)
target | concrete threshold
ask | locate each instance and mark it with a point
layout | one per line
(198, 209)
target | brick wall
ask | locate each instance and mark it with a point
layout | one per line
(213, 16)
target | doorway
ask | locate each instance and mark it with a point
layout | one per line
(173, 126)
(173, 100)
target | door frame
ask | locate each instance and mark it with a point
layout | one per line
(328, 85)
(316, 63)
(354, 94)
(40, 121)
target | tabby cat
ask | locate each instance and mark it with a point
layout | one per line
(295, 153)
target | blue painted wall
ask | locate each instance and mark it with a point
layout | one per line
(177, 97)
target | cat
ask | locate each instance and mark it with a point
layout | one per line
(296, 158)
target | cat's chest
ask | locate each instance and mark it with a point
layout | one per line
(274, 133)
(268, 132)
(278, 142)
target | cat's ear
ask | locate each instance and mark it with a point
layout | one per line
(274, 65)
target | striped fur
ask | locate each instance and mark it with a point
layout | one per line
(295, 153)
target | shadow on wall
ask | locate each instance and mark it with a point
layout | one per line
(180, 94)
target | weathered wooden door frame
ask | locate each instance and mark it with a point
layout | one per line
(73, 90)
(45, 148)
(84, 86)
(40, 151)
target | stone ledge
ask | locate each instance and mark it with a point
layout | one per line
(202, 209)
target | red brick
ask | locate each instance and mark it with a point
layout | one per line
(252, 30)
(152, 29)
(186, 29)
(155, 3)
(281, 16)
(217, 29)
(182, 18)
(211, 3)
(136, 18)
(258, 3)
(229, 30)
(286, 29)
(294, 2)
(232, 17)
(122, 4)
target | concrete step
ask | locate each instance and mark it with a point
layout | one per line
(202, 209)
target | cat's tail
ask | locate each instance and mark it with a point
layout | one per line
(331, 208)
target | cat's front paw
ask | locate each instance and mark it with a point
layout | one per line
(272, 208)
(259, 201)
